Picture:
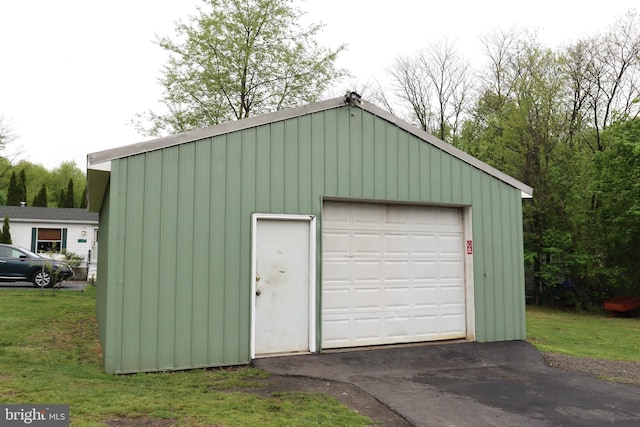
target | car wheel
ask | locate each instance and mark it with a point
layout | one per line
(42, 279)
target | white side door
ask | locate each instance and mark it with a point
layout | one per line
(283, 284)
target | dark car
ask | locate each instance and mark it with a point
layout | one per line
(18, 264)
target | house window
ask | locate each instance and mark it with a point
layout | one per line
(49, 240)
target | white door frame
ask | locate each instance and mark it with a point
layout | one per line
(467, 226)
(312, 272)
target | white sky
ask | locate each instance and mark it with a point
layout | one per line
(75, 72)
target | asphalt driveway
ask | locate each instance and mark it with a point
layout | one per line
(471, 384)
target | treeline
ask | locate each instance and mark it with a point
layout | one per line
(33, 185)
(564, 121)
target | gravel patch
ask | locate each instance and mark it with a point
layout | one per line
(611, 370)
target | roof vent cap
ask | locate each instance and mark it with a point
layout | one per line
(352, 98)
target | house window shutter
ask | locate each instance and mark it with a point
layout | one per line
(34, 236)
(64, 238)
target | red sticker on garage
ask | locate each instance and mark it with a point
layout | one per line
(469, 247)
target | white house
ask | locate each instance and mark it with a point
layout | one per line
(55, 229)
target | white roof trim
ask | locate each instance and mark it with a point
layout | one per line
(221, 129)
(53, 221)
(101, 160)
(102, 166)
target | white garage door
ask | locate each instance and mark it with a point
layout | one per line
(391, 274)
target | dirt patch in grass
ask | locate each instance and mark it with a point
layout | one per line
(611, 370)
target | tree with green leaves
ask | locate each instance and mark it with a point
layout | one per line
(238, 59)
(41, 198)
(17, 191)
(520, 126)
(14, 191)
(62, 199)
(616, 221)
(542, 116)
(69, 199)
(83, 199)
(58, 181)
(6, 234)
(22, 186)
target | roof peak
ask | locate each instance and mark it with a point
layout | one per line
(100, 160)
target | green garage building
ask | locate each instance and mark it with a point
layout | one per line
(331, 225)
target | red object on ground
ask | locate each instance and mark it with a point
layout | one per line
(621, 304)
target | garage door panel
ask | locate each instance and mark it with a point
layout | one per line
(452, 323)
(424, 271)
(448, 218)
(450, 245)
(366, 243)
(396, 244)
(363, 215)
(335, 214)
(336, 300)
(366, 328)
(451, 295)
(425, 218)
(398, 327)
(407, 327)
(336, 243)
(397, 216)
(451, 270)
(365, 271)
(425, 296)
(337, 271)
(366, 299)
(425, 245)
(338, 329)
(391, 274)
(438, 325)
(426, 326)
(397, 297)
(395, 271)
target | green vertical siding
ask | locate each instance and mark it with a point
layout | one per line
(168, 283)
(177, 229)
(217, 326)
(185, 313)
(201, 253)
(151, 227)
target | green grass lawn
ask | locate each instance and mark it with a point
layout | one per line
(49, 353)
(584, 335)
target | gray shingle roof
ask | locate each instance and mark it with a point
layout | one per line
(47, 214)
